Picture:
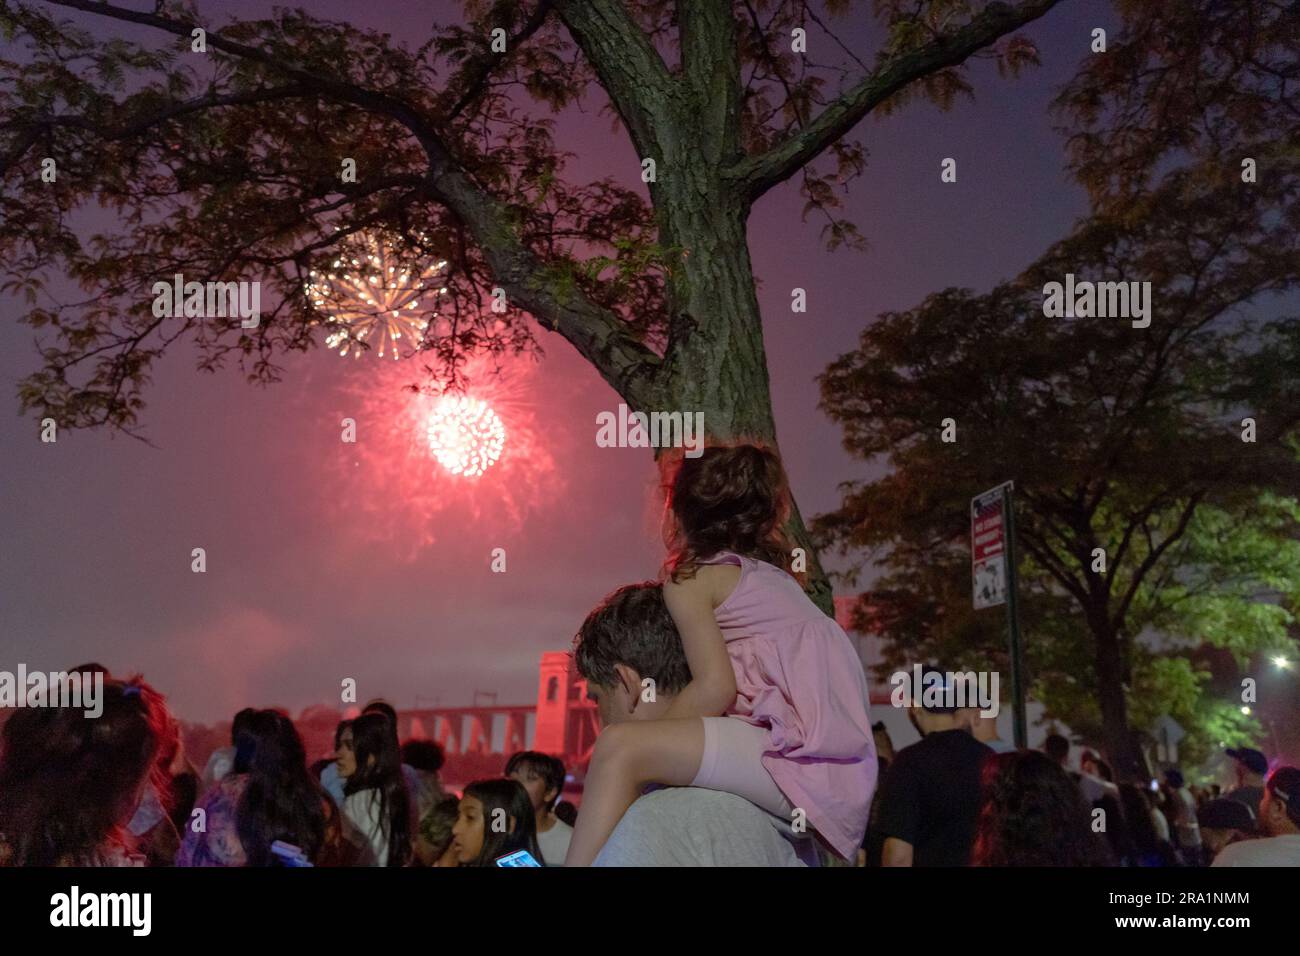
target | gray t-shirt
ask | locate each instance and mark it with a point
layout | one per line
(691, 826)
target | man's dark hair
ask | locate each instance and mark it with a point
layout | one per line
(550, 769)
(1056, 747)
(423, 755)
(632, 627)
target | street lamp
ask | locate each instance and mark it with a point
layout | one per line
(1282, 663)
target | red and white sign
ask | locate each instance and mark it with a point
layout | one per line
(988, 549)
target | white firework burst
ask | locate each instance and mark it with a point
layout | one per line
(374, 298)
(465, 435)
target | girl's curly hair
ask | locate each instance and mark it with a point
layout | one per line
(731, 498)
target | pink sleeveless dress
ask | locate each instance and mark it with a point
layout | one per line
(799, 676)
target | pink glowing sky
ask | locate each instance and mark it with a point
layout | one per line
(328, 560)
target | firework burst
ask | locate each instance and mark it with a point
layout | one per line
(372, 296)
(465, 435)
(393, 487)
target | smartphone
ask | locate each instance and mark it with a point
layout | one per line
(288, 854)
(518, 858)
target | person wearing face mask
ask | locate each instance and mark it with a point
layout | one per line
(930, 800)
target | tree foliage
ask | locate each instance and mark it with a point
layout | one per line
(1124, 439)
(225, 165)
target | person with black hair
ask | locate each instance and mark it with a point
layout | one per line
(543, 777)
(334, 783)
(1057, 749)
(425, 758)
(1148, 847)
(931, 792)
(1032, 814)
(567, 812)
(376, 805)
(1223, 822)
(1279, 824)
(223, 758)
(495, 819)
(268, 796)
(69, 783)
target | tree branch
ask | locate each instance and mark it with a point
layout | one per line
(485, 66)
(1154, 555)
(757, 174)
(629, 67)
(597, 333)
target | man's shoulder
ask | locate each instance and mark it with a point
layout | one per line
(1263, 851)
(691, 826)
(697, 802)
(940, 745)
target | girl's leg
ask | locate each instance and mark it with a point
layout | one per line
(627, 757)
(733, 761)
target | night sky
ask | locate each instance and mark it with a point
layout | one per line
(328, 560)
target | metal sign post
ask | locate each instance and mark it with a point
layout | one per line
(993, 581)
(1013, 625)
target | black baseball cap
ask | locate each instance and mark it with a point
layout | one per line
(1284, 784)
(1225, 814)
(942, 684)
(1253, 760)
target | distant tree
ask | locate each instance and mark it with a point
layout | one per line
(1124, 443)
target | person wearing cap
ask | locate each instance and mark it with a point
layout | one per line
(930, 797)
(1251, 767)
(1279, 825)
(1182, 803)
(1223, 822)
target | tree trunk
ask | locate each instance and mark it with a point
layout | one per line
(1126, 756)
(715, 361)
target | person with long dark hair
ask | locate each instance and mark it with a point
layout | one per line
(376, 804)
(1033, 815)
(69, 783)
(1149, 849)
(268, 796)
(495, 819)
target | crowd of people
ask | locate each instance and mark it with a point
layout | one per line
(118, 791)
(730, 704)
(961, 796)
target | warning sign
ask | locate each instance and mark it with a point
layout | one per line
(988, 549)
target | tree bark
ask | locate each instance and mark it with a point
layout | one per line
(1126, 756)
(716, 362)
